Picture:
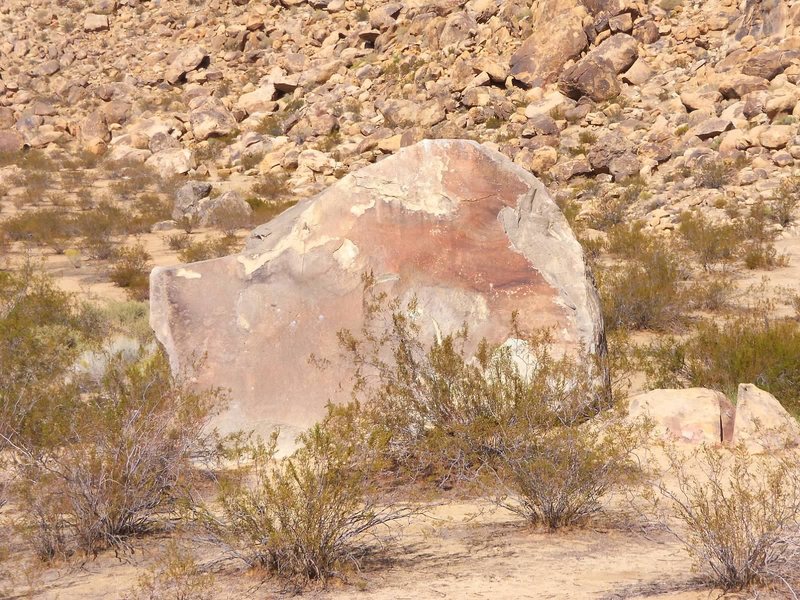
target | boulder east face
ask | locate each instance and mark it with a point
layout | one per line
(473, 236)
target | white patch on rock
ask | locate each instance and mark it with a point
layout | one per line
(346, 254)
(188, 274)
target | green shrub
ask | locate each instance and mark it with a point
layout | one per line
(131, 270)
(711, 243)
(271, 187)
(208, 249)
(42, 331)
(439, 409)
(785, 200)
(264, 211)
(752, 348)
(45, 227)
(559, 476)
(644, 293)
(715, 173)
(180, 578)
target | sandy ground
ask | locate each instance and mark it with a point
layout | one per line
(456, 551)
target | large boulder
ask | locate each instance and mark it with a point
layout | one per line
(593, 77)
(473, 236)
(763, 19)
(557, 36)
(694, 415)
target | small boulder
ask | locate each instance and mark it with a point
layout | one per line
(259, 100)
(95, 22)
(761, 422)
(694, 415)
(10, 141)
(188, 60)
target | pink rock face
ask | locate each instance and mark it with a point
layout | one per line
(467, 232)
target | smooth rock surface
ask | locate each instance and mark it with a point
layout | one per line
(694, 415)
(471, 234)
(761, 422)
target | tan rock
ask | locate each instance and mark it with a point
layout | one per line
(694, 415)
(557, 37)
(471, 235)
(776, 136)
(761, 422)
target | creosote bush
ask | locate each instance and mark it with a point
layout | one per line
(740, 514)
(131, 270)
(122, 463)
(644, 292)
(310, 516)
(208, 249)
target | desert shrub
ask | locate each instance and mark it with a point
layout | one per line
(740, 514)
(438, 408)
(178, 241)
(611, 213)
(208, 249)
(45, 227)
(715, 173)
(271, 187)
(560, 476)
(519, 420)
(229, 217)
(123, 464)
(180, 579)
(311, 515)
(711, 243)
(42, 330)
(131, 270)
(264, 211)
(271, 125)
(749, 348)
(150, 209)
(785, 200)
(129, 318)
(627, 239)
(98, 228)
(644, 293)
(758, 239)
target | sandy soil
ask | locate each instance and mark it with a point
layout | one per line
(456, 551)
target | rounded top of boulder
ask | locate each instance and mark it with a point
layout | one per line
(474, 237)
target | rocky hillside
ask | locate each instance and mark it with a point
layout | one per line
(233, 90)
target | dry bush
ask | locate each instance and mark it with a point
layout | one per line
(758, 239)
(42, 331)
(739, 514)
(52, 227)
(518, 419)
(310, 516)
(123, 464)
(208, 249)
(439, 409)
(179, 579)
(264, 211)
(560, 475)
(785, 200)
(229, 218)
(712, 244)
(98, 228)
(271, 187)
(130, 269)
(715, 173)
